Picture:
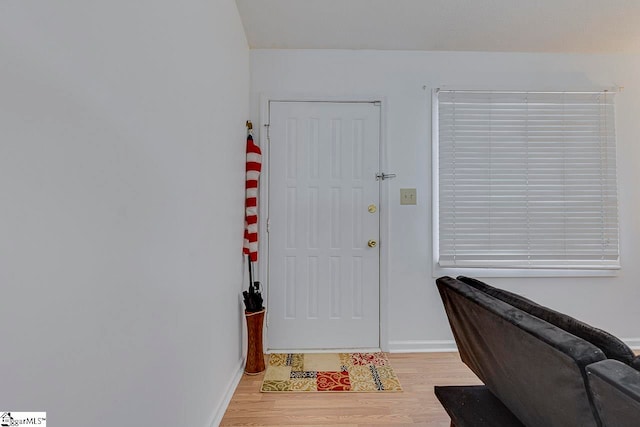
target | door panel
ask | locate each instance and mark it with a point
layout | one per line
(323, 277)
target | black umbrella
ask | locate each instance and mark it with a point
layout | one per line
(252, 298)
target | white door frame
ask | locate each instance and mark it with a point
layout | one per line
(265, 100)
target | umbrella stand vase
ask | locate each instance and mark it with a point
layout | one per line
(255, 355)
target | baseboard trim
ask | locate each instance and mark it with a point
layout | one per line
(633, 343)
(218, 414)
(415, 346)
(324, 350)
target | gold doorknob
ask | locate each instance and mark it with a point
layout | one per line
(372, 243)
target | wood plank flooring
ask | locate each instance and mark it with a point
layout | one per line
(416, 405)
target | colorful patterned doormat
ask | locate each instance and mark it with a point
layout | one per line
(360, 372)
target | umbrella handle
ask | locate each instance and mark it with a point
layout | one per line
(250, 274)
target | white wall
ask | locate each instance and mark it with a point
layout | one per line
(416, 317)
(121, 203)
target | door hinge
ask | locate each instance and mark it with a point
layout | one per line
(268, 224)
(383, 176)
(266, 125)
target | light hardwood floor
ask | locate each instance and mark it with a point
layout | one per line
(416, 405)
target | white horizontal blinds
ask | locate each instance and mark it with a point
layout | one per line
(527, 180)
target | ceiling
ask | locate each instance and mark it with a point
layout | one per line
(581, 26)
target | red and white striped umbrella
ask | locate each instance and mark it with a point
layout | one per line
(254, 166)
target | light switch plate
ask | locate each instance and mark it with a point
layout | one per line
(407, 196)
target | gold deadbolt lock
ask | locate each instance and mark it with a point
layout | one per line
(372, 209)
(372, 243)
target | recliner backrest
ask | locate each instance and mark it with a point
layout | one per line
(612, 347)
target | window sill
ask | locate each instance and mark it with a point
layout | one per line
(519, 272)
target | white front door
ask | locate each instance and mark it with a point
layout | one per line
(323, 273)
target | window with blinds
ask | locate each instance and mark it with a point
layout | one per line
(525, 180)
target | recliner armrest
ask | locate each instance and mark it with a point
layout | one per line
(616, 392)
